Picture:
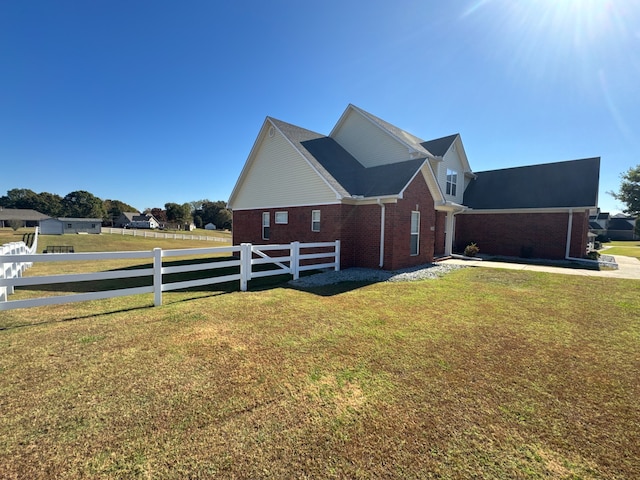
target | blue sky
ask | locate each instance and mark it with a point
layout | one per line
(150, 102)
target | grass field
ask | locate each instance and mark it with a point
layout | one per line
(626, 248)
(115, 242)
(483, 373)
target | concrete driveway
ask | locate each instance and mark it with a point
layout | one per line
(628, 267)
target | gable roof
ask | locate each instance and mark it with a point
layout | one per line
(553, 185)
(620, 224)
(354, 177)
(129, 215)
(440, 146)
(342, 171)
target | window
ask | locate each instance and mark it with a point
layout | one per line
(282, 217)
(265, 225)
(415, 233)
(315, 220)
(452, 182)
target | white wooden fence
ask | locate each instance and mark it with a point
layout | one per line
(147, 233)
(289, 259)
(14, 269)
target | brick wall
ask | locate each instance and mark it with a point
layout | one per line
(439, 244)
(533, 235)
(356, 226)
(398, 227)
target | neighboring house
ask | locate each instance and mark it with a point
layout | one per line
(395, 200)
(60, 226)
(136, 220)
(124, 219)
(210, 226)
(599, 223)
(27, 217)
(621, 228)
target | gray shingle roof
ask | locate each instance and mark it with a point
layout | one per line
(25, 214)
(620, 224)
(439, 146)
(563, 184)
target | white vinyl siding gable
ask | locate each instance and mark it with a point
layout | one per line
(280, 176)
(369, 143)
(451, 162)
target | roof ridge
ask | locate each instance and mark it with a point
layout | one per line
(538, 165)
(398, 133)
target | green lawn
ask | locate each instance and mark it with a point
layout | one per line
(483, 373)
(626, 248)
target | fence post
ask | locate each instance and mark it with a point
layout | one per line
(245, 265)
(295, 260)
(157, 277)
(3, 290)
(13, 270)
(337, 256)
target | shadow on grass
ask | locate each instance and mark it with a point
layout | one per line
(578, 265)
(333, 289)
(71, 319)
(256, 284)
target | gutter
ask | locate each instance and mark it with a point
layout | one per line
(567, 251)
(382, 215)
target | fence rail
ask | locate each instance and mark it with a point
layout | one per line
(148, 233)
(284, 259)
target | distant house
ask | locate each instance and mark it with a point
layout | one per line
(61, 226)
(395, 200)
(27, 217)
(621, 228)
(136, 220)
(614, 227)
(210, 226)
(599, 223)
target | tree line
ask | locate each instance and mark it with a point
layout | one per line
(83, 204)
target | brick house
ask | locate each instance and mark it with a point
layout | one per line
(395, 200)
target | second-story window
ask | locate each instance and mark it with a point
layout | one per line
(452, 182)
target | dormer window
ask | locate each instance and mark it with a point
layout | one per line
(452, 182)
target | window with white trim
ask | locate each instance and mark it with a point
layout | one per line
(315, 220)
(282, 218)
(415, 233)
(266, 225)
(452, 182)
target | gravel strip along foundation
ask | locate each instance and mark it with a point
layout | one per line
(422, 272)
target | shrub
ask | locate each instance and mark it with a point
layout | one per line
(593, 255)
(471, 250)
(15, 224)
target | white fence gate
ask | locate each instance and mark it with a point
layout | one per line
(290, 259)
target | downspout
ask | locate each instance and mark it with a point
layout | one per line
(449, 230)
(382, 215)
(567, 252)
